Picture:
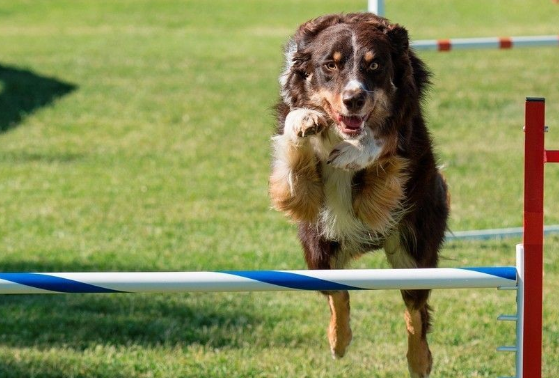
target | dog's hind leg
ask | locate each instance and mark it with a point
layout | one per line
(339, 331)
(321, 254)
(417, 315)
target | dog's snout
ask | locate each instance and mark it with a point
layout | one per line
(354, 99)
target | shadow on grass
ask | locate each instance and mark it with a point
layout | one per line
(24, 92)
(45, 157)
(83, 321)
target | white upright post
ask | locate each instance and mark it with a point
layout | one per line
(377, 7)
(520, 309)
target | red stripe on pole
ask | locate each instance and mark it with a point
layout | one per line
(552, 156)
(533, 236)
(505, 43)
(444, 44)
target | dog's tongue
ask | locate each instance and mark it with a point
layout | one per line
(352, 122)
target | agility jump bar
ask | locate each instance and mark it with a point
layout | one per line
(486, 43)
(266, 280)
(498, 233)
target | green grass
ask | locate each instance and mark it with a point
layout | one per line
(142, 142)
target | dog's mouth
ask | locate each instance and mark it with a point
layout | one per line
(351, 124)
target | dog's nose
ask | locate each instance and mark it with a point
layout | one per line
(354, 99)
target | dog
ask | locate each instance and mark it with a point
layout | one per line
(353, 163)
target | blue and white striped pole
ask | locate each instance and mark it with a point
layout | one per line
(273, 280)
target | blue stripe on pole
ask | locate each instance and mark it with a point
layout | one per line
(291, 280)
(52, 283)
(507, 272)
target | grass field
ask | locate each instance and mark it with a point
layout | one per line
(135, 136)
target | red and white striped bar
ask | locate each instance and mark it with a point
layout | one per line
(486, 43)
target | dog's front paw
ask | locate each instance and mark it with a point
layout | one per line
(301, 123)
(354, 154)
(349, 155)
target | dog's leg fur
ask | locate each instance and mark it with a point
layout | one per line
(339, 331)
(378, 203)
(419, 356)
(321, 254)
(417, 314)
(295, 184)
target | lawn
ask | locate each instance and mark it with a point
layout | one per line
(135, 136)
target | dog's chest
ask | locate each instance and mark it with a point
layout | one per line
(337, 216)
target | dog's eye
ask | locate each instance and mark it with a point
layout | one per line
(331, 66)
(374, 66)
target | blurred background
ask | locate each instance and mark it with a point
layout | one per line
(135, 136)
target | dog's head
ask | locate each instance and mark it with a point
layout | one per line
(351, 67)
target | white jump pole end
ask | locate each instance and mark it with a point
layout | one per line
(376, 7)
(519, 309)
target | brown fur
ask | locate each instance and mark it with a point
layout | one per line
(306, 183)
(354, 165)
(339, 330)
(419, 355)
(380, 196)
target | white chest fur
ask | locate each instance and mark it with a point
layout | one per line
(337, 217)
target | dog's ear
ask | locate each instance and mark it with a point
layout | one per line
(296, 71)
(296, 61)
(300, 63)
(310, 29)
(297, 53)
(398, 37)
(410, 71)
